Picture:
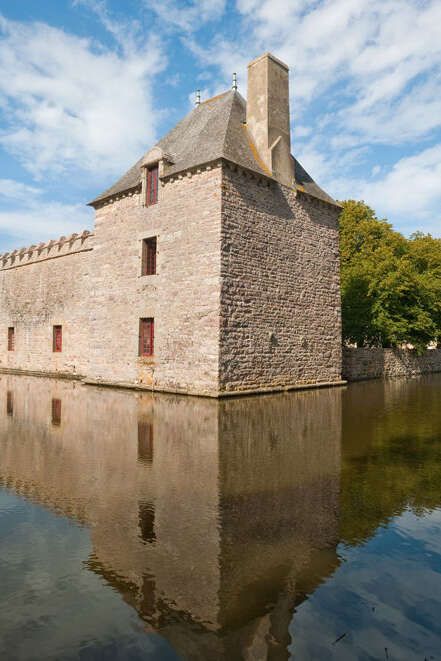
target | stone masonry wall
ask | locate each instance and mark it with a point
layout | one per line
(246, 294)
(280, 296)
(183, 297)
(40, 287)
(365, 363)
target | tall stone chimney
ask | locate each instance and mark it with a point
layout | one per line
(268, 115)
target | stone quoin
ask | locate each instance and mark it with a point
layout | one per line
(212, 269)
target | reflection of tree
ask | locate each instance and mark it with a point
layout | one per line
(391, 453)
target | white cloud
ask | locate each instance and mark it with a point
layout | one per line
(73, 103)
(363, 73)
(372, 50)
(189, 18)
(412, 186)
(15, 190)
(301, 131)
(379, 118)
(37, 221)
(409, 191)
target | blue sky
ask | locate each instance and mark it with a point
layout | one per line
(87, 86)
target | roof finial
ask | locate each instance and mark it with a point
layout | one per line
(198, 97)
(234, 86)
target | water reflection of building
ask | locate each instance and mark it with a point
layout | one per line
(212, 519)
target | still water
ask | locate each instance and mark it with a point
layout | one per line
(296, 526)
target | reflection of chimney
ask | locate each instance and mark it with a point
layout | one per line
(268, 114)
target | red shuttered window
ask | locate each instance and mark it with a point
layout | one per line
(57, 341)
(152, 185)
(149, 256)
(146, 336)
(11, 338)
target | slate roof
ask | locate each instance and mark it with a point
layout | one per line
(214, 129)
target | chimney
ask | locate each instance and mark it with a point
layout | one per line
(268, 115)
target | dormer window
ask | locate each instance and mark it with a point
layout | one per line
(154, 164)
(152, 185)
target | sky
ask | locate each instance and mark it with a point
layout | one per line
(88, 86)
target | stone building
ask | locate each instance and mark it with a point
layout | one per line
(212, 268)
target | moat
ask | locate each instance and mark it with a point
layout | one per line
(305, 525)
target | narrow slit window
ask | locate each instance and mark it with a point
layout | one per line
(56, 411)
(146, 336)
(149, 256)
(11, 338)
(152, 185)
(57, 340)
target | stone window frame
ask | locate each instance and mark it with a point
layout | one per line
(158, 161)
(146, 337)
(149, 260)
(57, 338)
(152, 184)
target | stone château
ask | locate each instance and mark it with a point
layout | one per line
(212, 269)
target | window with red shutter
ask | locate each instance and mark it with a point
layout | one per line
(11, 338)
(146, 337)
(57, 339)
(149, 256)
(152, 185)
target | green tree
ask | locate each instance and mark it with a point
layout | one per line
(425, 252)
(391, 286)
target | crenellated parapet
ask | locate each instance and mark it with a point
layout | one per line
(52, 249)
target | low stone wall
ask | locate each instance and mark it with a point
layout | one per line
(363, 363)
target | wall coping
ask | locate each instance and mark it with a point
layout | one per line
(363, 363)
(41, 252)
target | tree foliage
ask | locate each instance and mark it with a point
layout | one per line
(391, 286)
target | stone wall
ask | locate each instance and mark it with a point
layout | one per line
(361, 363)
(183, 297)
(280, 298)
(40, 287)
(245, 296)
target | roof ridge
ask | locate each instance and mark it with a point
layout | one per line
(227, 124)
(214, 98)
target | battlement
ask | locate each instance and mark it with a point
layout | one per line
(53, 249)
